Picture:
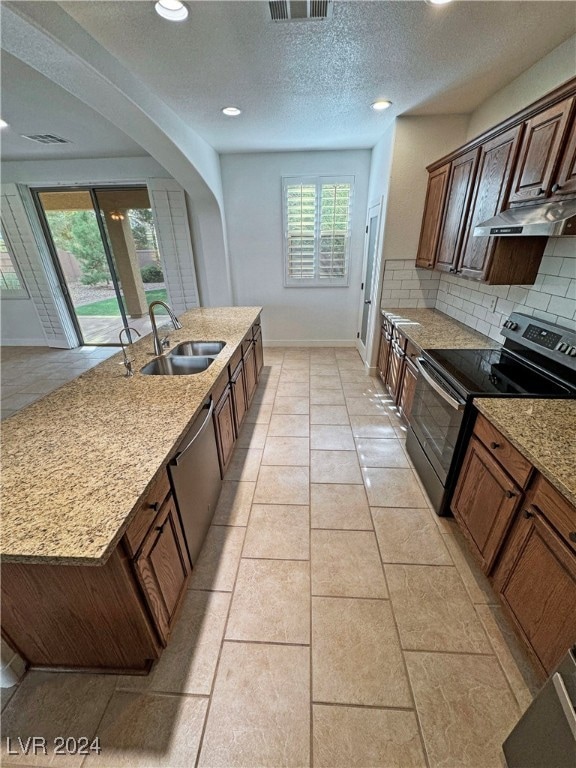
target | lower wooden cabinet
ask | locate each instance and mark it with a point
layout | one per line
(395, 371)
(238, 386)
(536, 577)
(484, 503)
(225, 429)
(250, 373)
(258, 350)
(408, 388)
(163, 567)
(384, 355)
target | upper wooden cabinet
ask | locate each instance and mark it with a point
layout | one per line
(489, 198)
(565, 183)
(538, 159)
(432, 220)
(528, 158)
(459, 193)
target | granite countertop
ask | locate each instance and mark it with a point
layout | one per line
(76, 462)
(543, 431)
(431, 329)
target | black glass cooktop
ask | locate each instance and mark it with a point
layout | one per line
(495, 372)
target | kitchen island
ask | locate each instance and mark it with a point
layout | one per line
(86, 583)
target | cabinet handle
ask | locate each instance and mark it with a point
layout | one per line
(528, 514)
(556, 187)
(572, 535)
(541, 191)
(160, 528)
(494, 445)
(430, 264)
(510, 494)
(452, 269)
(155, 506)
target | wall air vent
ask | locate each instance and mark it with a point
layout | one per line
(46, 138)
(300, 10)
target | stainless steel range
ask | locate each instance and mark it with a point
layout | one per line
(538, 359)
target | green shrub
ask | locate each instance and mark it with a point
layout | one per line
(152, 273)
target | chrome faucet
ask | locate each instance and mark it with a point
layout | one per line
(127, 362)
(160, 345)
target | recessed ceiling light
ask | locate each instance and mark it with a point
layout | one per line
(437, 2)
(173, 10)
(232, 111)
(3, 124)
(381, 105)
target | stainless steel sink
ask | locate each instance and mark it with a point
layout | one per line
(177, 366)
(194, 348)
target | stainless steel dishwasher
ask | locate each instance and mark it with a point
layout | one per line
(195, 475)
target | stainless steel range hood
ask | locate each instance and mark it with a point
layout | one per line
(546, 219)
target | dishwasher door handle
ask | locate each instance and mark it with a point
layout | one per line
(180, 455)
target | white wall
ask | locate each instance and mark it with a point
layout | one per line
(381, 167)
(253, 203)
(548, 73)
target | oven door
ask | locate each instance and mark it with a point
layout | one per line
(436, 418)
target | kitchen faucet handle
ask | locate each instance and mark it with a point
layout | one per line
(165, 342)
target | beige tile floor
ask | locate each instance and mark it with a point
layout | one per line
(332, 620)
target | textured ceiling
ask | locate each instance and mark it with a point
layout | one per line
(32, 104)
(308, 85)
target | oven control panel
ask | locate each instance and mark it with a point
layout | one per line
(552, 341)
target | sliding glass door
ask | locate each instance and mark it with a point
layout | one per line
(104, 247)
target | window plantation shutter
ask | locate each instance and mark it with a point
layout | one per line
(301, 204)
(317, 230)
(334, 230)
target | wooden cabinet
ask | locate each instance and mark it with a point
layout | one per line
(258, 349)
(225, 429)
(408, 388)
(536, 576)
(163, 567)
(238, 386)
(395, 371)
(565, 183)
(537, 161)
(384, 353)
(460, 185)
(250, 373)
(484, 503)
(432, 220)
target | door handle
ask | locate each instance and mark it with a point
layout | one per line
(368, 302)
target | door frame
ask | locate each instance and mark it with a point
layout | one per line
(367, 351)
(91, 188)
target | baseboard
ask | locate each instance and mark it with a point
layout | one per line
(309, 343)
(23, 342)
(371, 370)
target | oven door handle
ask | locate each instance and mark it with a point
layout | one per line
(456, 404)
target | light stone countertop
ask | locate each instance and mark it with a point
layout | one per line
(431, 329)
(76, 462)
(543, 430)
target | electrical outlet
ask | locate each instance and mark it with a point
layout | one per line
(492, 305)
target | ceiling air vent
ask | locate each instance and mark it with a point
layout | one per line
(300, 10)
(46, 138)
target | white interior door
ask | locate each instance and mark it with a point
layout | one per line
(367, 288)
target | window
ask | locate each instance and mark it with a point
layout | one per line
(316, 230)
(11, 283)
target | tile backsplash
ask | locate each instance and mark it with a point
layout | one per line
(485, 307)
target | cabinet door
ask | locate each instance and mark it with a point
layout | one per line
(565, 183)
(238, 386)
(383, 355)
(224, 426)
(537, 160)
(484, 503)
(259, 352)
(458, 197)
(536, 581)
(163, 567)
(395, 371)
(432, 218)
(489, 198)
(250, 374)
(408, 388)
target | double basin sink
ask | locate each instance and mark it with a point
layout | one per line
(186, 358)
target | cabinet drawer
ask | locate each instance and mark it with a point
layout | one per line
(235, 358)
(147, 511)
(398, 338)
(556, 509)
(412, 351)
(518, 467)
